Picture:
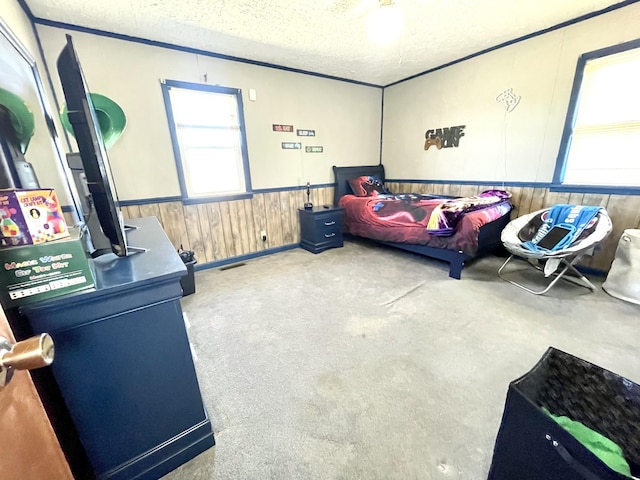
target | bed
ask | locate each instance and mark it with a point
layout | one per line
(474, 237)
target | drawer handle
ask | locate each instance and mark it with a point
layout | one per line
(328, 224)
(329, 235)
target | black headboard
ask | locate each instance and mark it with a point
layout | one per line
(342, 174)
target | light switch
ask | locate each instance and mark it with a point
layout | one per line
(252, 94)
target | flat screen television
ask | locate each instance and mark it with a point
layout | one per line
(93, 154)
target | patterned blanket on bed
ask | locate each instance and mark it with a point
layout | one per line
(440, 216)
(404, 218)
(444, 217)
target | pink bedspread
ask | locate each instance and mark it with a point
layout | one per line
(393, 220)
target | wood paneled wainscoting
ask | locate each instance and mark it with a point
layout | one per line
(624, 210)
(219, 231)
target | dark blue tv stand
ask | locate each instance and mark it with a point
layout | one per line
(123, 363)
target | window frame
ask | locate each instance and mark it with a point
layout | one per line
(569, 123)
(190, 200)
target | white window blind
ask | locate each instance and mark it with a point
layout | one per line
(605, 142)
(208, 129)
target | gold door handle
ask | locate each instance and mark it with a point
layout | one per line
(34, 352)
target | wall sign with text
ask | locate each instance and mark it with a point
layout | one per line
(306, 133)
(314, 149)
(282, 128)
(291, 146)
(446, 137)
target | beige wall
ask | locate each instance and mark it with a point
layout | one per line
(518, 146)
(346, 116)
(19, 24)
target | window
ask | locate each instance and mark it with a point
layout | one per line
(601, 140)
(209, 142)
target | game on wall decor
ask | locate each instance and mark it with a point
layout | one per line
(445, 137)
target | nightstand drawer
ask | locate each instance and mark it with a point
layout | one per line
(323, 231)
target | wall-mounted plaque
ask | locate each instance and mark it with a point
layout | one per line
(291, 146)
(282, 128)
(306, 133)
(315, 149)
(446, 137)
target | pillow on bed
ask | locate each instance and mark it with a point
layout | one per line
(368, 186)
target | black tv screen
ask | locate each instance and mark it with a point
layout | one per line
(87, 133)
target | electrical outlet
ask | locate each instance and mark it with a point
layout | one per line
(263, 235)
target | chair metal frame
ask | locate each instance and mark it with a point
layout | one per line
(569, 266)
(567, 258)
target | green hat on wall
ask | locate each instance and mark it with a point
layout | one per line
(111, 118)
(20, 115)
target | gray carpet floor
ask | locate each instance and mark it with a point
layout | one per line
(365, 362)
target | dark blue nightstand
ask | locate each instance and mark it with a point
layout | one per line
(321, 228)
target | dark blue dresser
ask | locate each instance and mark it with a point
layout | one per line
(123, 363)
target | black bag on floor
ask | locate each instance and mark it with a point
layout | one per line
(188, 282)
(531, 446)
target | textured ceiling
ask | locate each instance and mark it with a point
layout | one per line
(323, 36)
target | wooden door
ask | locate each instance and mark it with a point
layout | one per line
(30, 449)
